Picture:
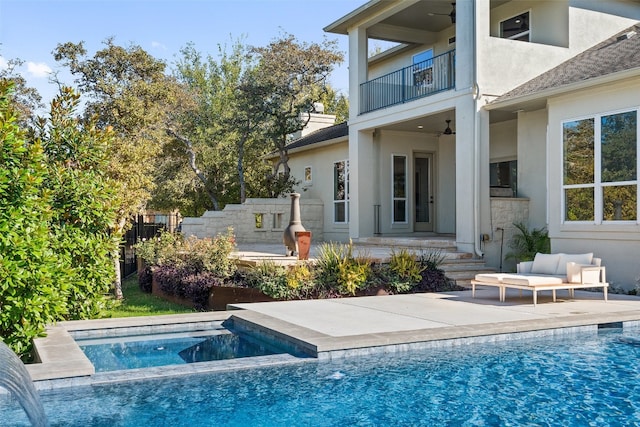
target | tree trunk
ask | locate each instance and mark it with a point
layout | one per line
(194, 167)
(117, 283)
(243, 185)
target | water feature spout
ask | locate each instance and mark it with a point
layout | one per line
(16, 379)
(289, 237)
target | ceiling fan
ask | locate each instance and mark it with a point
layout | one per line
(451, 15)
(448, 130)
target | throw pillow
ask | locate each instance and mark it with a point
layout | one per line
(545, 264)
(584, 259)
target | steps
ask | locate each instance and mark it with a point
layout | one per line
(458, 266)
(462, 271)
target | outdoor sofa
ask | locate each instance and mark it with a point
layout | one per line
(549, 272)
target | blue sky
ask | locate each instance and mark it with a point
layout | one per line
(31, 29)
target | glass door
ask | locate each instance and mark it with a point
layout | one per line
(423, 189)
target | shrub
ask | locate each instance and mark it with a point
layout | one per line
(197, 287)
(271, 279)
(210, 255)
(300, 281)
(193, 254)
(527, 243)
(436, 281)
(336, 266)
(145, 279)
(163, 249)
(431, 259)
(404, 271)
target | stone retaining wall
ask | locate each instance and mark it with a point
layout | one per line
(257, 220)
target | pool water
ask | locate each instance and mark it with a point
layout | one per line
(573, 380)
(112, 354)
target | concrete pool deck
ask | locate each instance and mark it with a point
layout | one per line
(345, 327)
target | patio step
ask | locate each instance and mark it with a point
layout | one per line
(462, 271)
(427, 242)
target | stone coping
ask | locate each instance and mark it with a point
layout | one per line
(59, 355)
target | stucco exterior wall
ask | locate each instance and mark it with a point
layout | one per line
(321, 161)
(504, 213)
(504, 64)
(275, 215)
(504, 141)
(532, 164)
(617, 244)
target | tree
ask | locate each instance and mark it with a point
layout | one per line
(83, 203)
(127, 91)
(335, 103)
(291, 76)
(25, 100)
(33, 287)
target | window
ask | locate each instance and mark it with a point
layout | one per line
(307, 175)
(399, 186)
(423, 68)
(504, 175)
(516, 28)
(341, 191)
(600, 162)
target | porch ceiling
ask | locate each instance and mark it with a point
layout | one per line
(433, 124)
(436, 124)
(416, 23)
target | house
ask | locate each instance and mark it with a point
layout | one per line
(483, 113)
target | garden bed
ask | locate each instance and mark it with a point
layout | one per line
(219, 296)
(200, 274)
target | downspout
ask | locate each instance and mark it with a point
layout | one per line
(476, 143)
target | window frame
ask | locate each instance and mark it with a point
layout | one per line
(598, 185)
(310, 175)
(406, 190)
(516, 37)
(344, 201)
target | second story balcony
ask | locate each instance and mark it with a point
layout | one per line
(409, 83)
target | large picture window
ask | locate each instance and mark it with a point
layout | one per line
(341, 191)
(600, 168)
(399, 186)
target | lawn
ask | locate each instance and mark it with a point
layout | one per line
(138, 303)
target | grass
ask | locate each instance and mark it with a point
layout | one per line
(137, 303)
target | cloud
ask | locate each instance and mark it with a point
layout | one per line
(3, 63)
(158, 45)
(38, 69)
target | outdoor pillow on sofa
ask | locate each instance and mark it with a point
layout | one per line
(545, 264)
(564, 259)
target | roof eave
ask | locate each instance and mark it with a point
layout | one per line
(516, 102)
(320, 144)
(341, 26)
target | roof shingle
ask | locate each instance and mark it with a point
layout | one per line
(325, 134)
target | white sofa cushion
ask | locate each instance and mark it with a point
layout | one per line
(533, 280)
(545, 264)
(584, 259)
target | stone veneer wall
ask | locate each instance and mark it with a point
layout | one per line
(257, 220)
(504, 213)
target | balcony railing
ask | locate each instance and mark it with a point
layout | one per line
(413, 82)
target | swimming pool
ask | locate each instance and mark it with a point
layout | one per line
(573, 380)
(145, 351)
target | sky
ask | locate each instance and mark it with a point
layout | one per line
(31, 29)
